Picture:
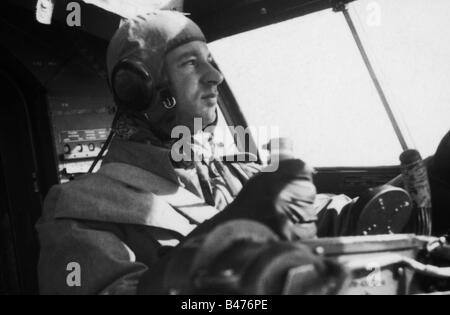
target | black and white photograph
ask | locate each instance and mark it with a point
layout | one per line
(225, 153)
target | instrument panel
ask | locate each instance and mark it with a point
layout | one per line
(80, 129)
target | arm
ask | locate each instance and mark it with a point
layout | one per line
(77, 259)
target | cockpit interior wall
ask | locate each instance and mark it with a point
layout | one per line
(8, 272)
(55, 94)
(21, 193)
(70, 66)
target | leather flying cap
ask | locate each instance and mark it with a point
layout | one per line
(148, 38)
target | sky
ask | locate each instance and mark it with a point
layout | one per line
(306, 78)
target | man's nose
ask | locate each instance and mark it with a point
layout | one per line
(212, 75)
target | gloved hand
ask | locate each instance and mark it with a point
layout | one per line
(282, 200)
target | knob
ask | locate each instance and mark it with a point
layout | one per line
(67, 149)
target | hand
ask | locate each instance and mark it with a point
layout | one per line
(282, 200)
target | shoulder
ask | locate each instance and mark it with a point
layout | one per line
(101, 196)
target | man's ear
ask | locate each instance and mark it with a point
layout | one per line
(166, 83)
(165, 78)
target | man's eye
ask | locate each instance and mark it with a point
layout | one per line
(191, 62)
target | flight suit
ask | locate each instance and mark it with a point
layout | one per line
(100, 233)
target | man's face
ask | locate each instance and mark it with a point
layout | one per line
(193, 81)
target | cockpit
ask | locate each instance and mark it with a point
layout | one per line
(349, 84)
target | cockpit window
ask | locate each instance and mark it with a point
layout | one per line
(306, 76)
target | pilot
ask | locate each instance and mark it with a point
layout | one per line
(439, 173)
(103, 233)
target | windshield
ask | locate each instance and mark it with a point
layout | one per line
(306, 77)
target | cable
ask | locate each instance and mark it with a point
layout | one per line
(395, 259)
(106, 145)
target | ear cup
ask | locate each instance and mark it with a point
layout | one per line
(132, 85)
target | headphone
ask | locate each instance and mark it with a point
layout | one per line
(134, 88)
(132, 85)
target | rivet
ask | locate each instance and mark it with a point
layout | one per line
(174, 292)
(228, 273)
(319, 250)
